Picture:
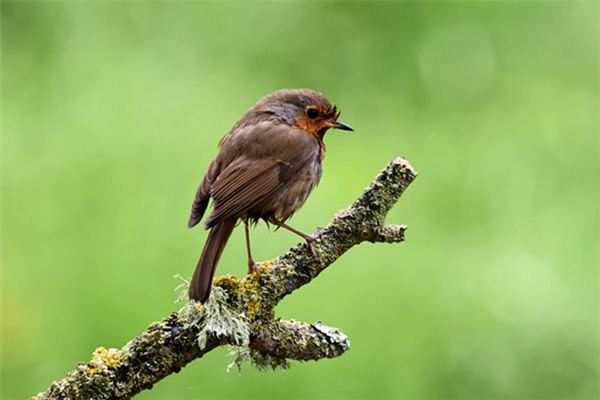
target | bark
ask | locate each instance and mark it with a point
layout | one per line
(240, 312)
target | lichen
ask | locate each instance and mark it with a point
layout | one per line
(334, 335)
(263, 266)
(183, 286)
(112, 358)
(252, 308)
(104, 358)
(92, 370)
(266, 362)
(228, 282)
(221, 316)
(250, 283)
(221, 322)
(239, 355)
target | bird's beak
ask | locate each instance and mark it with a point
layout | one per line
(342, 126)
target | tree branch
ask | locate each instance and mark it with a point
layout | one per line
(299, 341)
(241, 312)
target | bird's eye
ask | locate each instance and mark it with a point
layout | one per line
(312, 113)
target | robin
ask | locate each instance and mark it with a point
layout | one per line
(268, 164)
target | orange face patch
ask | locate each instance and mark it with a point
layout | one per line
(317, 126)
(310, 125)
(325, 119)
(313, 127)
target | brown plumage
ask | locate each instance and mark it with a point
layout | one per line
(267, 165)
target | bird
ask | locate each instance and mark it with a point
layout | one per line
(266, 167)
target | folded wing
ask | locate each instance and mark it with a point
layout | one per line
(242, 185)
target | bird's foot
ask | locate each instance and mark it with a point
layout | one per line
(252, 266)
(310, 243)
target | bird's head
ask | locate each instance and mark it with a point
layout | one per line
(304, 109)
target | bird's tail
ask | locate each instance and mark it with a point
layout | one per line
(205, 269)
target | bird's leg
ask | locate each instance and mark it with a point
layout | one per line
(251, 263)
(309, 238)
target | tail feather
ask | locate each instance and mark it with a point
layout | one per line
(205, 269)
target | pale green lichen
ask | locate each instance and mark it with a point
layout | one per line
(218, 317)
(222, 322)
(239, 355)
(334, 335)
(266, 362)
(182, 288)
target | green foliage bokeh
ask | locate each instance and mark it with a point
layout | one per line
(111, 112)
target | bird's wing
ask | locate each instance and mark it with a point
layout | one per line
(249, 138)
(243, 184)
(203, 194)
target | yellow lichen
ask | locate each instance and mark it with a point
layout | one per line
(92, 370)
(253, 307)
(250, 283)
(111, 358)
(227, 282)
(265, 265)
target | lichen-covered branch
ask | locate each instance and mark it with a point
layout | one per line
(299, 341)
(240, 312)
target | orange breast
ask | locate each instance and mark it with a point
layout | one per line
(312, 127)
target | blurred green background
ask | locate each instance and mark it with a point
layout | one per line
(111, 111)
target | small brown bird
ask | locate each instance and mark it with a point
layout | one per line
(267, 165)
